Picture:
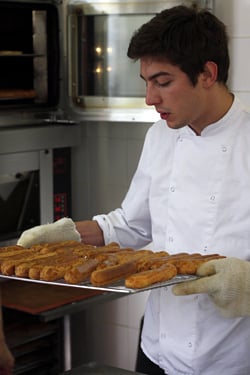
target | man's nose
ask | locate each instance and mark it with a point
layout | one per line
(152, 97)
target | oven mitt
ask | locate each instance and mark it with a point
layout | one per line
(226, 281)
(61, 230)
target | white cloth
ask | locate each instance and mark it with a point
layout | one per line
(191, 193)
(61, 230)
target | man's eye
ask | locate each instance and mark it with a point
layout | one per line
(163, 84)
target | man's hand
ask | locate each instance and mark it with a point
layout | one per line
(226, 281)
(6, 359)
(61, 230)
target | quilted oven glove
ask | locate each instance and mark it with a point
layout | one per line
(226, 281)
(61, 230)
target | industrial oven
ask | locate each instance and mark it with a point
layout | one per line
(36, 136)
(36, 132)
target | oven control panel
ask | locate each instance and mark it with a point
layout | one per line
(62, 183)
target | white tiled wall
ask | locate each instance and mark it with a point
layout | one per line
(235, 14)
(103, 167)
(115, 337)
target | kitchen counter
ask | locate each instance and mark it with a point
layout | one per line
(50, 302)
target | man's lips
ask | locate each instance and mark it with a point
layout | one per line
(164, 115)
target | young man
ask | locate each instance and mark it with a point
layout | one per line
(190, 193)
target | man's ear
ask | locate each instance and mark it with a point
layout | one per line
(210, 74)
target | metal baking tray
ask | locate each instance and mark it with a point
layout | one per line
(118, 287)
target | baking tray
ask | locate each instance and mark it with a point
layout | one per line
(118, 287)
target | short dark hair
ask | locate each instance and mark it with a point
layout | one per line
(186, 37)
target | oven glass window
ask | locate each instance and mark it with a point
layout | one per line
(103, 67)
(29, 54)
(19, 203)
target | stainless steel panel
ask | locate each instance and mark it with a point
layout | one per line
(40, 137)
(123, 6)
(11, 164)
(46, 189)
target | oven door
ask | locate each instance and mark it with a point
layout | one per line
(26, 192)
(29, 60)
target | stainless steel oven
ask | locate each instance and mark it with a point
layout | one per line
(103, 83)
(35, 177)
(29, 60)
(36, 131)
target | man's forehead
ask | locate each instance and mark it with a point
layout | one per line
(150, 67)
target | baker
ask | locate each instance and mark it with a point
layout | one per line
(190, 193)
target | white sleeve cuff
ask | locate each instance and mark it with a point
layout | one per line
(108, 231)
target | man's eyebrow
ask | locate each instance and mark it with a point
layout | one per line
(156, 75)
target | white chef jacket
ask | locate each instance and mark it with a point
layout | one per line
(191, 194)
